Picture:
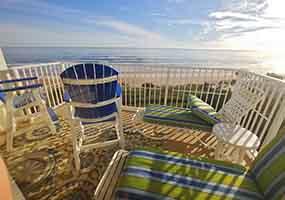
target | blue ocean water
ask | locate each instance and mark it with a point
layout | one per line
(189, 57)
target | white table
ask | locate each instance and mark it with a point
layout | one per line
(233, 139)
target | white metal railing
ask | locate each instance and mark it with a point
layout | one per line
(167, 85)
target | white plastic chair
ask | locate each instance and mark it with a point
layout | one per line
(245, 97)
(93, 94)
(25, 108)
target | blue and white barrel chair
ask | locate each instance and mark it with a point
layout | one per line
(93, 95)
(26, 110)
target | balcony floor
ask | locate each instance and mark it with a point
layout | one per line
(42, 166)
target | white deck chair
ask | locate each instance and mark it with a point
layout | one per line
(26, 110)
(245, 97)
(93, 93)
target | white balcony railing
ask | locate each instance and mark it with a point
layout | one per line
(167, 85)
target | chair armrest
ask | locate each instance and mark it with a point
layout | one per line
(18, 80)
(118, 91)
(106, 187)
(66, 97)
(26, 87)
(2, 96)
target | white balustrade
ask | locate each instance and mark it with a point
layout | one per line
(144, 84)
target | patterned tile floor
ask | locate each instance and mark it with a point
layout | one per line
(42, 166)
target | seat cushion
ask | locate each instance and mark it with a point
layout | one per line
(269, 168)
(173, 116)
(203, 110)
(23, 100)
(153, 174)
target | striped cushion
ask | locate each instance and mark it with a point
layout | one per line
(153, 174)
(173, 116)
(269, 168)
(203, 110)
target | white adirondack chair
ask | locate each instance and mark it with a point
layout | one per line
(93, 94)
(25, 108)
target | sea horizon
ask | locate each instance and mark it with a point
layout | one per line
(245, 59)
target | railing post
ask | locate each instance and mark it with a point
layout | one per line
(166, 86)
(3, 64)
(276, 123)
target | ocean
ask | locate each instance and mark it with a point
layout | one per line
(252, 60)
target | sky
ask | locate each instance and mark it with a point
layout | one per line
(206, 24)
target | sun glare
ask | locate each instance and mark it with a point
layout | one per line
(275, 8)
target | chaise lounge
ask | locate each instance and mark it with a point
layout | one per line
(156, 174)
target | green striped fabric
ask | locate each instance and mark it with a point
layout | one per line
(174, 116)
(153, 174)
(269, 168)
(203, 110)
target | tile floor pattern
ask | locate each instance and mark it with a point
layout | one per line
(42, 166)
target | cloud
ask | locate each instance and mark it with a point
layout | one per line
(232, 15)
(29, 35)
(245, 21)
(126, 28)
(119, 32)
(142, 36)
(125, 36)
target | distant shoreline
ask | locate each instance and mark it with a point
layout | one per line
(220, 58)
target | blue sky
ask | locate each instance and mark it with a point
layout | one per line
(234, 24)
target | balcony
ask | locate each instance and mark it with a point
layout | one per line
(41, 163)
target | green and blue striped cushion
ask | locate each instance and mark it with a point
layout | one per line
(174, 116)
(203, 110)
(153, 174)
(269, 168)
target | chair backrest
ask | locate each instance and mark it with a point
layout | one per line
(92, 90)
(20, 93)
(245, 97)
(269, 168)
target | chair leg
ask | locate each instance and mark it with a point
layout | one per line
(119, 126)
(240, 153)
(122, 139)
(9, 141)
(75, 144)
(120, 133)
(66, 111)
(76, 159)
(76, 148)
(219, 150)
(52, 127)
(76, 151)
(82, 129)
(9, 138)
(49, 121)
